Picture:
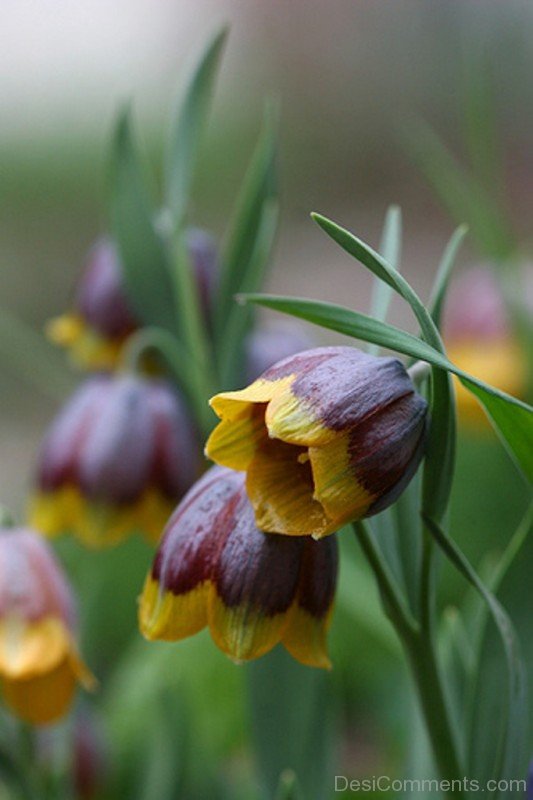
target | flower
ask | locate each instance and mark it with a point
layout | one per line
(102, 318)
(118, 457)
(253, 589)
(326, 436)
(39, 661)
(270, 343)
(480, 340)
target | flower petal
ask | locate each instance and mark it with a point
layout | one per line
(305, 635)
(254, 586)
(28, 649)
(337, 488)
(234, 441)
(174, 600)
(280, 487)
(168, 616)
(42, 699)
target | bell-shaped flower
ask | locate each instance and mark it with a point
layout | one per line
(327, 436)
(215, 568)
(102, 317)
(39, 661)
(117, 458)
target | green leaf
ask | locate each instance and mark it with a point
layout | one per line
(257, 191)
(239, 319)
(460, 193)
(146, 271)
(512, 418)
(391, 243)
(192, 330)
(188, 127)
(291, 708)
(27, 353)
(508, 761)
(444, 272)
(440, 451)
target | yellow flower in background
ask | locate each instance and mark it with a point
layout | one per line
(102, 318)
(252, 589)
(116, 460)
(327, 436)
(480, 340)
(95, 330)
(39, 661)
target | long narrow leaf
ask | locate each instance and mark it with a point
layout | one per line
(444, 272)
(239, 319)
(460, 193)
(146, 272)
(508, 761)
(187, 131)
(258, 189)
(512, 418)
(391, 243)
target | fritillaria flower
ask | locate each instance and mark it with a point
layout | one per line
(480, 339)
(326, 436)
(39, 661)
(215, 568)
(102, 317)
(118, 457)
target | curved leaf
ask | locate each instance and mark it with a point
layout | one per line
(512, 418)
(187, 130)
(146, 271)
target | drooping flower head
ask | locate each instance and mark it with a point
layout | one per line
(39, 661)
(480, 339)
(118, 457)
(102, 317)
(327, 436)
(215, 568)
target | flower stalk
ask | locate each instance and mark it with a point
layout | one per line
(416, 639)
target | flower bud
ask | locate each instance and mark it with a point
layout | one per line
(479, 338)
(252, 589)
(39, 661)
(268, 344)
(103, 318)
(116, 460)
(327, 436)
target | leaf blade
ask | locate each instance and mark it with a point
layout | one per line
(189, 123)
(143, 256)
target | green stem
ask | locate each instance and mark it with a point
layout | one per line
(395, 607)
(168, 346)
(418, 645)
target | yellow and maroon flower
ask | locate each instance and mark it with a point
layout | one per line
(102, 318)
(215, 568)
(325, 437)
(480, 339)
(39, 661)
(116, 460)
